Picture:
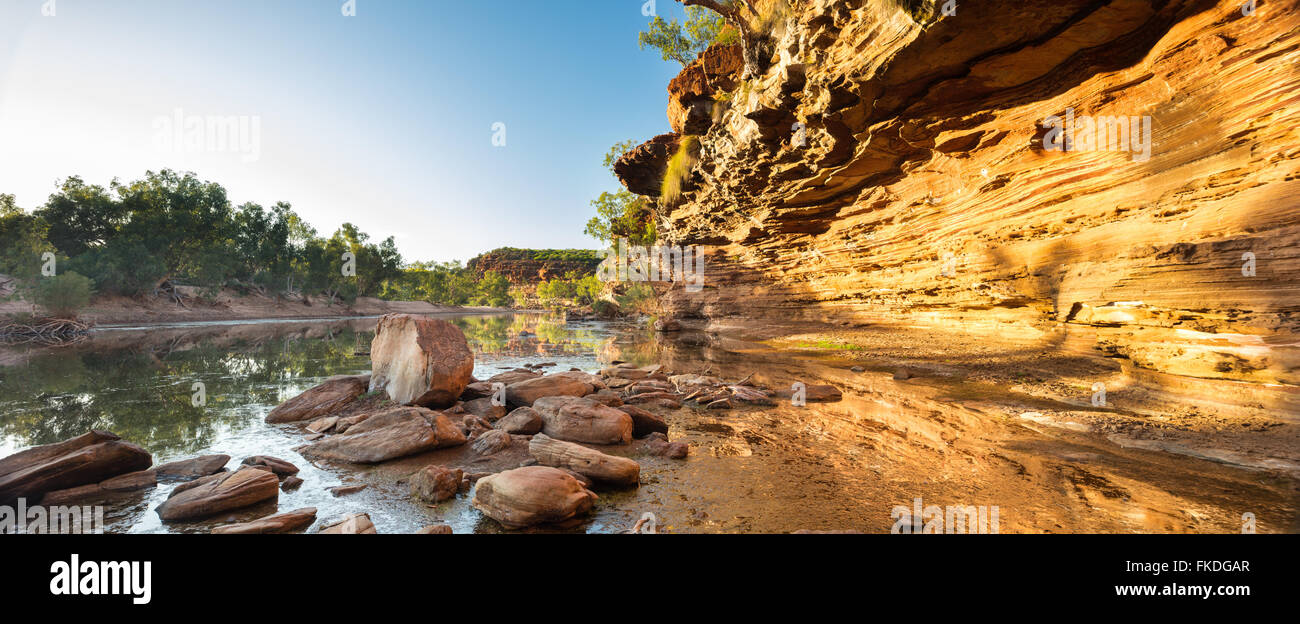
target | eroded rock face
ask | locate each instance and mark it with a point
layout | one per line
(389, 435)
(691, 93)
(86, 459)
(420, 361)
(917, 187)
(532, 495)
(577, 419)
(219, 492)
(328, 398)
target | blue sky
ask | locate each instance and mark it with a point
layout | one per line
(384, 119)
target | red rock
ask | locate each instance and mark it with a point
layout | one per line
(420, 361)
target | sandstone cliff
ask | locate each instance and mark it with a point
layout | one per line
(895, 165)
(530, 266)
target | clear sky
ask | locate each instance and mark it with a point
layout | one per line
(384, 119)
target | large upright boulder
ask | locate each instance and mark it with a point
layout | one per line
(532, 495)
(576, 419)
(389, 435)
(418, 360)
(89, 458)
(328, 398)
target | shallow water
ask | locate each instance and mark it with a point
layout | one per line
(832, 466)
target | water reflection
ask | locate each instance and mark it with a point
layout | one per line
(139, 383)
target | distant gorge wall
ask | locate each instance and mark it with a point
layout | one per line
(952, 171)
(524, 267)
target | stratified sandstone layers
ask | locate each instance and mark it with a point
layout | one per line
(890, 170)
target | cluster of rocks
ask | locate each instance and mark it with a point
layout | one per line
(546, 440)
(423, 365)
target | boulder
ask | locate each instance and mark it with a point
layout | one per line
(291, 483)
(420, 361)
(644, 423)
(435, 529)
(346, 490)
(187, 469)
(581, 420)
(526, 392)
(522, 421)
(607, 397)
(278, 466)
(279, 523)
(476, 390)
(435, 483)
(328, 398)
(129, 482)
(658, 444)
(589, 462)
(388, 435)
(532, 495)
(89, 458)
(491, 442)
(483, 408)
(219, 492)
(351, 524)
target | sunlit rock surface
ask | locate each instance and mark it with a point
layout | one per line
(890, 171)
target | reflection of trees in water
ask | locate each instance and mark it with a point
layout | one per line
(500, 335)
(138, 385)
(144, 394)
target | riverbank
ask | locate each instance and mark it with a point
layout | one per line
(109, 311)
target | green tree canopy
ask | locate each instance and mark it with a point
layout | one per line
(683, 41)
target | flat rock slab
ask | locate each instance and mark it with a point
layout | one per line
(328, 398)
(186, 469)
(389, 435)
(280, 523)
(418, 360)
(86, 459)
(532, 495)
(220, 492)
(129, 482)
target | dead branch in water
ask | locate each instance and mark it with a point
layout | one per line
(48, 332)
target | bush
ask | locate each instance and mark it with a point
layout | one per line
(63, 295)
(679, 169)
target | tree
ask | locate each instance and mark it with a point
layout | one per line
(63, 295)
(753, 25)
(621, 214)
(682, 42)
(22, 241)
